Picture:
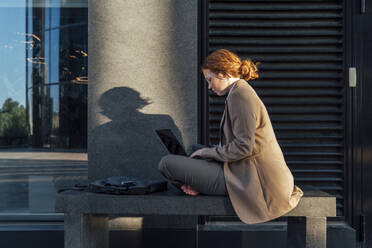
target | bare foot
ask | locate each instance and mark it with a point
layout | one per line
(188, 190)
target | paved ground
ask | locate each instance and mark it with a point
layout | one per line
(29, 178)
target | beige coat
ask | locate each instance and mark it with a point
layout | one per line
(258, 180)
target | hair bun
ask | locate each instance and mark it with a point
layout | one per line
(248, 69)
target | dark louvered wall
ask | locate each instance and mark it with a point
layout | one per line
(301, 47)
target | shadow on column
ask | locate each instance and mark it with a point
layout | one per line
(127, 145)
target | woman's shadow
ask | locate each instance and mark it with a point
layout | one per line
(128, 144)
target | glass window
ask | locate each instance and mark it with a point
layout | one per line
(55, 17)
(54, 55)
(43, 101)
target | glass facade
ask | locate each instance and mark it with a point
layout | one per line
(43, 101)
(57, 76)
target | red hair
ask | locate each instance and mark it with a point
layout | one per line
(226, 62)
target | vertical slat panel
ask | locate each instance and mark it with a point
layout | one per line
(300, 46)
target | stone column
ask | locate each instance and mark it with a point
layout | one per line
(86, 231)
(142, 76)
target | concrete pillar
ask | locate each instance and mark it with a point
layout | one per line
(307, 232)
(86, 231)
(142, 76)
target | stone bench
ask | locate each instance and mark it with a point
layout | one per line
(86, 214)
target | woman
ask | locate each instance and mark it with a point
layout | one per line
(248, 165)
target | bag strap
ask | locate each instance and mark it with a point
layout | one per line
(78, 187)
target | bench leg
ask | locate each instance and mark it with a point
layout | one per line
(86, 231)
(201, 222)
(307, 232)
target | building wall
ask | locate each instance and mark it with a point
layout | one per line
(142, 76)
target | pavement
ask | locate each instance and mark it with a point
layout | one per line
(30, 178)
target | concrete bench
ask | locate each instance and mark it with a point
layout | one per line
(86, 214)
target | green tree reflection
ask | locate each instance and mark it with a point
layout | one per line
(13, 121)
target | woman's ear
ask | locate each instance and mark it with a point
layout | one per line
(223, 75)
(227, 76)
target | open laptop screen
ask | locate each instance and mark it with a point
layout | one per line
(170, 141)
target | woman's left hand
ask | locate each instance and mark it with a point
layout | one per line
(198, 153)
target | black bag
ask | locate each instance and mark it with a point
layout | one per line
(122, 185)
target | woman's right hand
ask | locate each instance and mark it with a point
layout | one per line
(198, 153)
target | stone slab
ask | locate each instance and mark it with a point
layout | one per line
(173, 203)
(315, 203)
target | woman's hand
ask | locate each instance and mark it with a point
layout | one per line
(198, 153)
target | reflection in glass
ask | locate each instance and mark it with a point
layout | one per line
(59, 70)
(53, 35)
(43, 102)
(54, 17)
(12, 69)
(13, 123)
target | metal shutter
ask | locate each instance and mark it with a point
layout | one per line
(300, 44)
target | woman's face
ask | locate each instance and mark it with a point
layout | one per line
(218, 83)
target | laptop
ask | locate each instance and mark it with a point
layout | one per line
(171, 142)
